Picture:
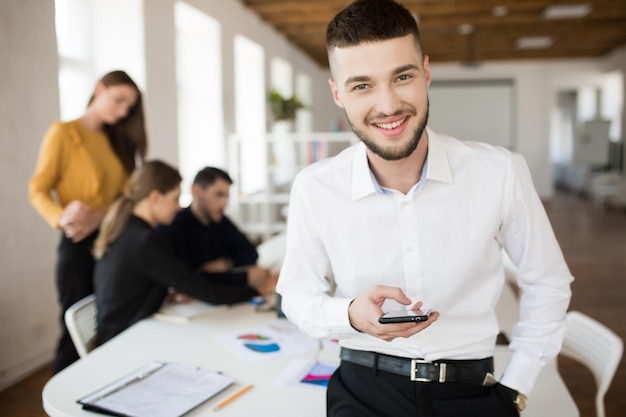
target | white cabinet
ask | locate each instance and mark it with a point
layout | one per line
(263, 168)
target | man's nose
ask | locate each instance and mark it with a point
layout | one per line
(387, 101)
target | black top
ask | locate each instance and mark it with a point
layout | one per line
(197, 243)
(132, 278)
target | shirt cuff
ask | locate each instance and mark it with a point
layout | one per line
(521, 372)
(337, 313)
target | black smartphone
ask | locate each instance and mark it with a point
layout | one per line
(404, 316)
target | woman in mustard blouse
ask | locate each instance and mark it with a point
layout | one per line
(83, 167)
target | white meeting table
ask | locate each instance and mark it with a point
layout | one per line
(195, 343)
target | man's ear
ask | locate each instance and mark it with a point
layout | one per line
(196, 190)
(426, 70)
(335, 92)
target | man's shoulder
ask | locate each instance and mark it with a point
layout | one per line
(332, 167)
(475, 151)
(179, 225)
(184, 218)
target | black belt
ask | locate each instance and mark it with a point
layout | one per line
(479, 372)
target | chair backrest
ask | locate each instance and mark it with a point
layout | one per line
(81, 322)
(595, 346)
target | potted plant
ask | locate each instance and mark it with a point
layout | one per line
(283, 108)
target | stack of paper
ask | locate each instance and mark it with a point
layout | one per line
(183, 312)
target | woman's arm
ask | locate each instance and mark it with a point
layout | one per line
(78, 220)
(47, 175)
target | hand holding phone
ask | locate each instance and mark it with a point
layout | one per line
(404, 316)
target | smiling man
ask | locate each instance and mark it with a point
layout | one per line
(411, 218)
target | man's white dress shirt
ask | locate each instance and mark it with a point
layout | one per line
(441, 244)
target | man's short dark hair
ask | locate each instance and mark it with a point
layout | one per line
(371, 21)
(208, 175)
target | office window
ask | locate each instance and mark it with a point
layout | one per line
(95, 37)
(588, 104)
(611, 103)
(304, 91)
(74, 46)
(118, 38)
(281, 76)
(250, 93)
(562, 127)
(199, 85)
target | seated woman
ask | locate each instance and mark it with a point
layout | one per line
(136, 265)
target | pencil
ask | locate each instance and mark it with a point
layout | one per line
(233, 397)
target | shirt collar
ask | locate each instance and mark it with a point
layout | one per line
(437, 168)
(362, 184)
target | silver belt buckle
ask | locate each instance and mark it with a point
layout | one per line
(414, 371)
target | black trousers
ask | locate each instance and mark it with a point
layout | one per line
(74, 281)
(358, 391)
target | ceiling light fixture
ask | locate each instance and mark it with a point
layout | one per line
(566, 11)
(534, 42)
(499, 11)
(465, 29)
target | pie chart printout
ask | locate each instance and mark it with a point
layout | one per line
(259, 343)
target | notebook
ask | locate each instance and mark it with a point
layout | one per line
(159, 389)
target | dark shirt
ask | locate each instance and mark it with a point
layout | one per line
(132, 278)
(197, 243)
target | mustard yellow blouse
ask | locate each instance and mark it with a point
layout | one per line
(74, 163)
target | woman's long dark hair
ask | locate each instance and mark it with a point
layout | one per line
(128, 136)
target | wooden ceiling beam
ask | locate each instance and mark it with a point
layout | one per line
(304, 23)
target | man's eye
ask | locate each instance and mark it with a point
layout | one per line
(404, 77)
(360, 87)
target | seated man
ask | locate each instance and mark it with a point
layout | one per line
(202, 234)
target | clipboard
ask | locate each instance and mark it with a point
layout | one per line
(159, 389)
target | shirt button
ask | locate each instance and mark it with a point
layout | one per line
(409, 248)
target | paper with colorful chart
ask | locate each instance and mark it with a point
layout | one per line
(279, 338)
(306, 373)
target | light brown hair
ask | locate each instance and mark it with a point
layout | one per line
(151, 176)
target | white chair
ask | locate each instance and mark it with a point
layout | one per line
(619, 199)
(81, 322)
(595, 346)
(604, 187)
(272, 252)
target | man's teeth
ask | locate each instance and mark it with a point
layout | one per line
(390, 125)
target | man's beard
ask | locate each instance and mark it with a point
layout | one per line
(205, 213)
(390, 154)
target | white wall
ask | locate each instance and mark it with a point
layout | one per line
(28, 103)
(536, 87)
(160, 93)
